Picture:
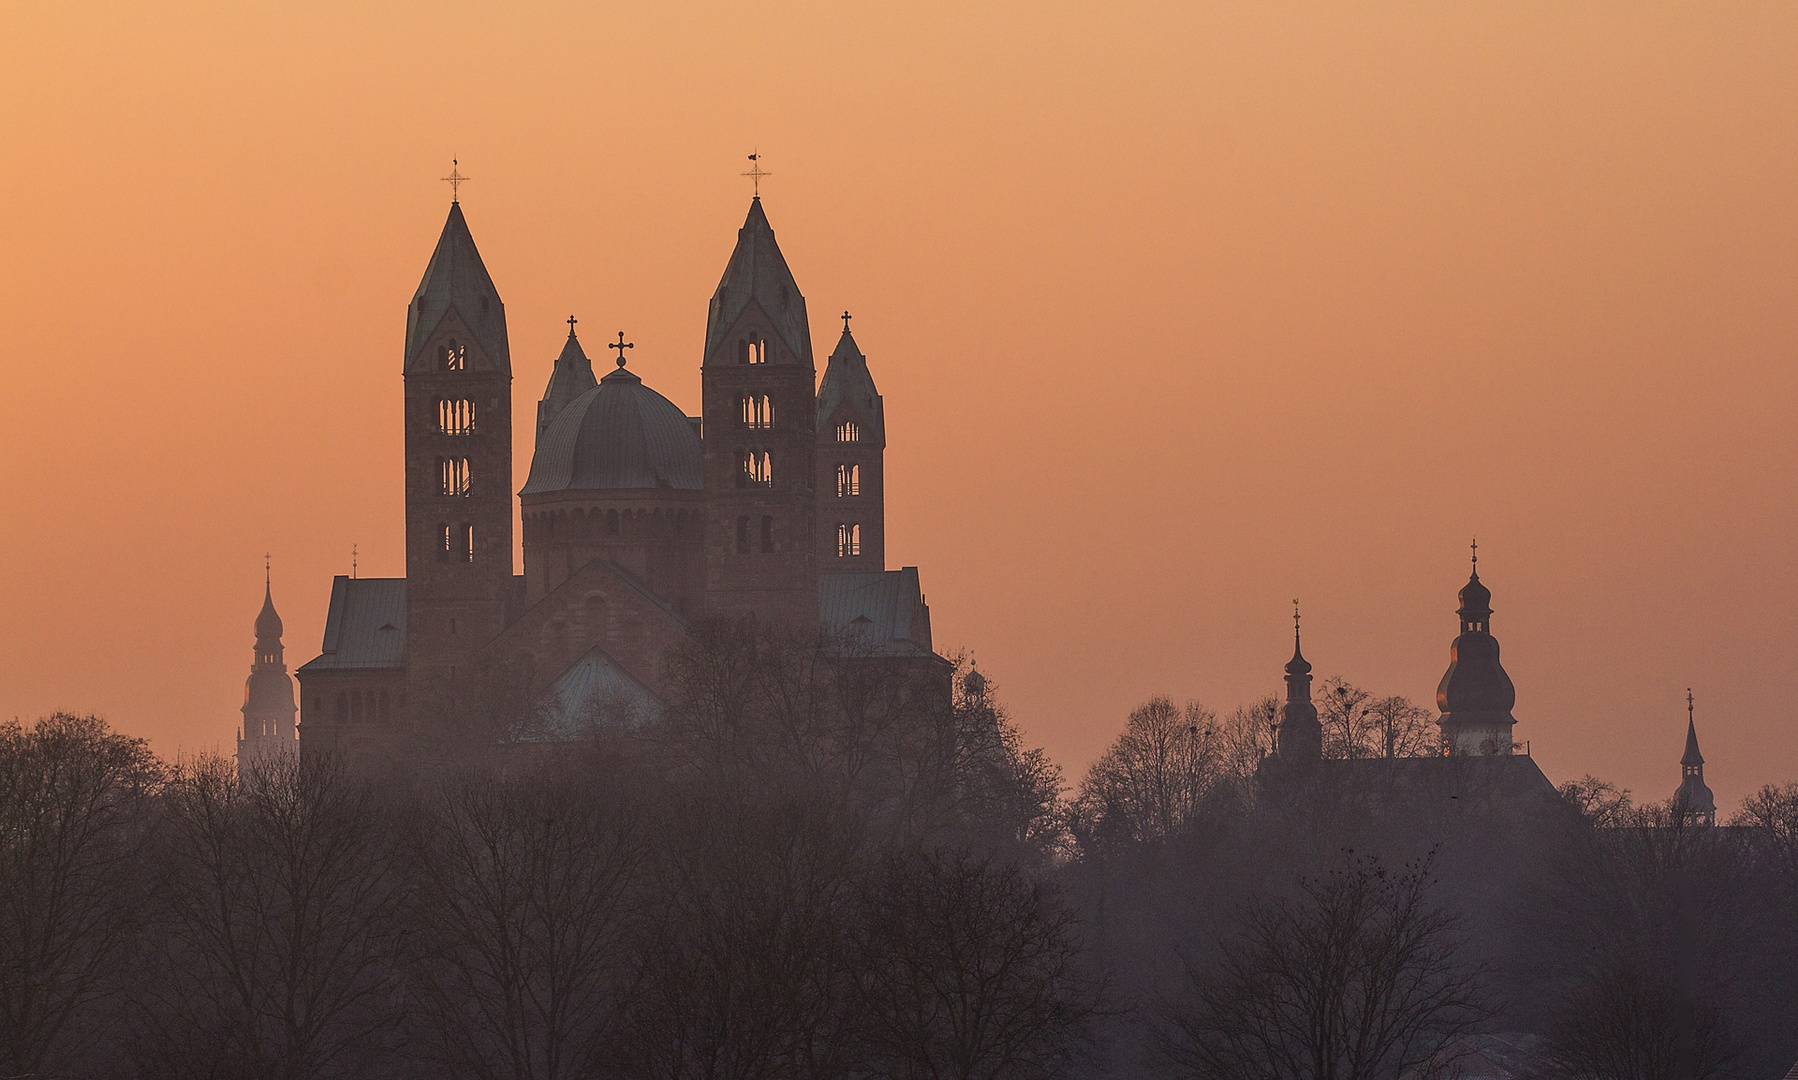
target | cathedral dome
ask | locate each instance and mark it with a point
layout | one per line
(618, 435)
(1476, 599)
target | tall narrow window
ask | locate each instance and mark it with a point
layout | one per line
(849, 541)
(466, 542)
(742, 536)
(455, 417)
(755, 353)
(452, 357)
(452, 474)
(449, 543)
(849, 480)
(767, 534)
(847, 431)
(758, 411)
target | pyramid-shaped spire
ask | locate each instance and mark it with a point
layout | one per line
(457, 278)
(847, 380)
(572, 377)
(757, 273)
(1692, 756)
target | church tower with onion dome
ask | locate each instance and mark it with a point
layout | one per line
(852, 439)
(1693, 800)
(1475, 695)
(1300, 736)
(268, 708)
(759, 409)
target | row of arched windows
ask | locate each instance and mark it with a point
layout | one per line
(743, 534)
(849, 541)
(849, 480)
(849, 431)
(754, 467)
(452, 476)
(360, 707)
(757, 411)
(601, 524)
(455, 416)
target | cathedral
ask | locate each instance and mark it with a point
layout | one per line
(638, 521)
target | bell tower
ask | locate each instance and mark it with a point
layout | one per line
(268, 709)
(759, 416)
(852, 439)
(458, 424)
(1475, 695)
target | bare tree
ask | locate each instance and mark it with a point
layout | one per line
(1357, 977)
(1624, 1023)
(284, 945)
(1153, 778)
(967, 971)
(1601, 803)
(1345, 710)
(74, 815)
(1247, 737)
(523, 900)
(1401, 728)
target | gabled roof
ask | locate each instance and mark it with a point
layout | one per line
(758, 272)
(880, 612)
(366, 626)
(456, 277)
(572, 377)
(595, 693)
(847, 380)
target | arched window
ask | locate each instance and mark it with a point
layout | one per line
(849, 480)
(455, 416)
(452, 357)
(452, 476)
(847, 431)
(767, 533)
(751, 351)
(849, 541)
(466, 543)
(758, 411)
(742, 536)
(753, 467)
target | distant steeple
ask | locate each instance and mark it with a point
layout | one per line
(268, 705)
(1301, 735)
(1693, 800)
(572, 377)
(1475, 695)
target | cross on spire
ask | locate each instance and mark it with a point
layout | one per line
(454, 180)
(845, 320)
(571, 321)
(621, 345)
(1295, 618)
(1688, 704)
(1476, 553)
(756, 172)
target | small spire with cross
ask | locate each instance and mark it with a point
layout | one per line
(571, 321)
(756, 172)
(267, 571)
(1688, 705)
(352, 561)
(454, 180)
(845, 320)
(1295, 618)
(1476, 554)
(621, 345)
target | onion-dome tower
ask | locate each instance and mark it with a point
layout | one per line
(1693, 800)
(1301, 735)
(268, 706)
(1475, 695)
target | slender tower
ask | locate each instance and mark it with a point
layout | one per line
(1301, 735)
(1475, 695)
(852, 439)
(268, 706)
(458, 434)
(1693, 799)
(760, 445)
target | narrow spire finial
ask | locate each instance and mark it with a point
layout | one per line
(1476, 554)
(454, 180)
(571, 321)
(1295, 623)
(352, 562)
(267, 571)
(845, 320)
(621, 345)
(1688, 705)
(756, 172)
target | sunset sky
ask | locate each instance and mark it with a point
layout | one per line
(1180, 311)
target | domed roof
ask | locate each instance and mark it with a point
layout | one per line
(620, 434)
(1476, 599)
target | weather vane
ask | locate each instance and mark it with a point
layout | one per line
(454, 180)
(621, 345)
(756, 172)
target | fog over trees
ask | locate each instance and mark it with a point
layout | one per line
(812, 868)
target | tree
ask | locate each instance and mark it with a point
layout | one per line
(1626, 1024)
(967, 970)
(285, 922)
(75, 815)
(523, 893)
(1356, 977)
(1401, 728)
(1602, 803)
(1153, 779)
(1347, 719)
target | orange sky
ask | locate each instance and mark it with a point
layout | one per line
(1179, 311)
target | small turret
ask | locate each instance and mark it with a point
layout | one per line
(1301, 735)
(572, 377)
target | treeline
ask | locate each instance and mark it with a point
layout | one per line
(812, 869)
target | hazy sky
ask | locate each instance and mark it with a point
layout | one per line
(1180, 311)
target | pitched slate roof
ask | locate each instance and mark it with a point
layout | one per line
(572, 377)
(620, 434)
(880, 611)
(758, 271)
(456, 277)
(366, 626)
(847, 380)
(594, 693)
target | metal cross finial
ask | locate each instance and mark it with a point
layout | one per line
(756, 172)
(1476, 553)
(621, 345)
(266, 571)
(845, 320)
(352, 560)
(1295, 616)
(571, 321)
(1688, 704)
(454, 180)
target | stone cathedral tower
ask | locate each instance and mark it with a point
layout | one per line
(268, 708)
(852, 439)
(759, 421)
(458, 417)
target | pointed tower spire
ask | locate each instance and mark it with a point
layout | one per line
(1301, 735)
(851, 462)
(1693, 800)
(268, 705)
(571, 377)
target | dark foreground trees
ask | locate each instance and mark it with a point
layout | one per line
(1357, 976)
